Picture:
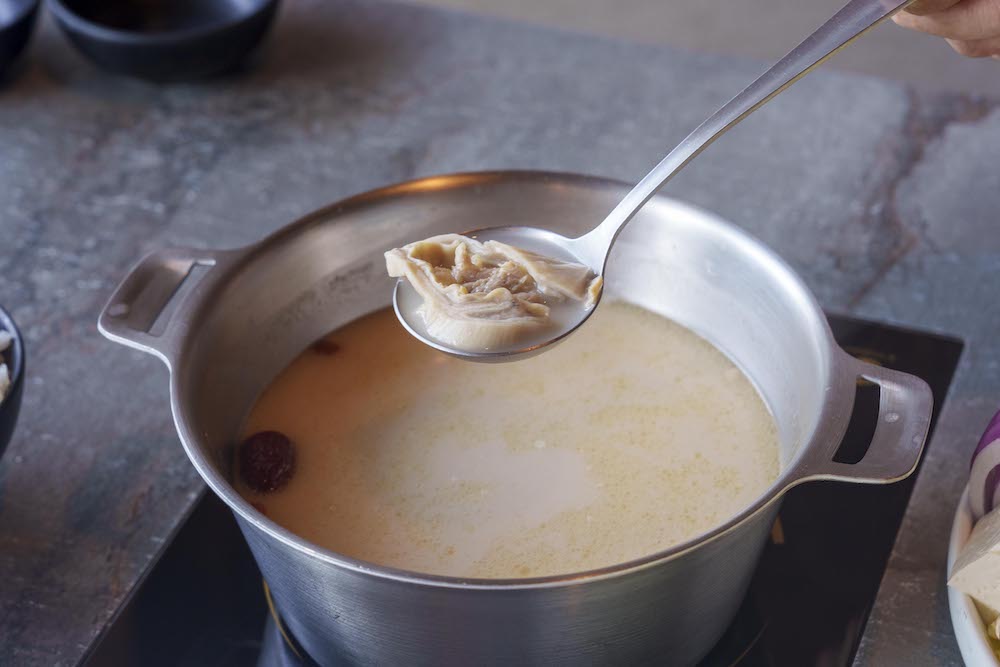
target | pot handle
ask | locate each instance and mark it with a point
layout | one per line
(904, 415)
(137, 315)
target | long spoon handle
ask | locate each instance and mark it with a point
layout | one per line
(856, 18)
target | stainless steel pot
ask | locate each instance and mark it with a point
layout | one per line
(241, 315)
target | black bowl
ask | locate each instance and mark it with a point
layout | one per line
(13, 356)
(165, 40)
(17, 18)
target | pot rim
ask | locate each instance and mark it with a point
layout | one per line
(830, 425)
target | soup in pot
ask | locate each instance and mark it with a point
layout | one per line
(633, 435)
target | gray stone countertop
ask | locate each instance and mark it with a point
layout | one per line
(885, 201)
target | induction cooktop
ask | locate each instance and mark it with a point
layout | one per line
(204, 602)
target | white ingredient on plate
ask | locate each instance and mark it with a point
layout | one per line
(5, 339)
(977, 569)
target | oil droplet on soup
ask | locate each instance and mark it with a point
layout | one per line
(631, 436)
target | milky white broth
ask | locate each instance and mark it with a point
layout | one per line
(631, 436)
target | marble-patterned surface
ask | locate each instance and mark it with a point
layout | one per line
(885, 200)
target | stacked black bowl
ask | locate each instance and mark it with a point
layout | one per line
(165, 40)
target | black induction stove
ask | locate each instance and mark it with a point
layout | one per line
(204, 602)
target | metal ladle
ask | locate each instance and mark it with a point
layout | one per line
(593, 248)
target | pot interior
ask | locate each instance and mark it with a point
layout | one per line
(328, 269)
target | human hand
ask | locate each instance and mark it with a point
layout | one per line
(972, 27)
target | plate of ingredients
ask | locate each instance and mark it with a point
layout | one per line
(11, 372)
(974, 556)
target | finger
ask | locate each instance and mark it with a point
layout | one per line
(967, 20)
(977, 48)
(923, 7)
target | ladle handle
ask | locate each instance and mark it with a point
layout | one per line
(138, 312)
(856, 18)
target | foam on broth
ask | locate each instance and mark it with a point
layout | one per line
(629, 437)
